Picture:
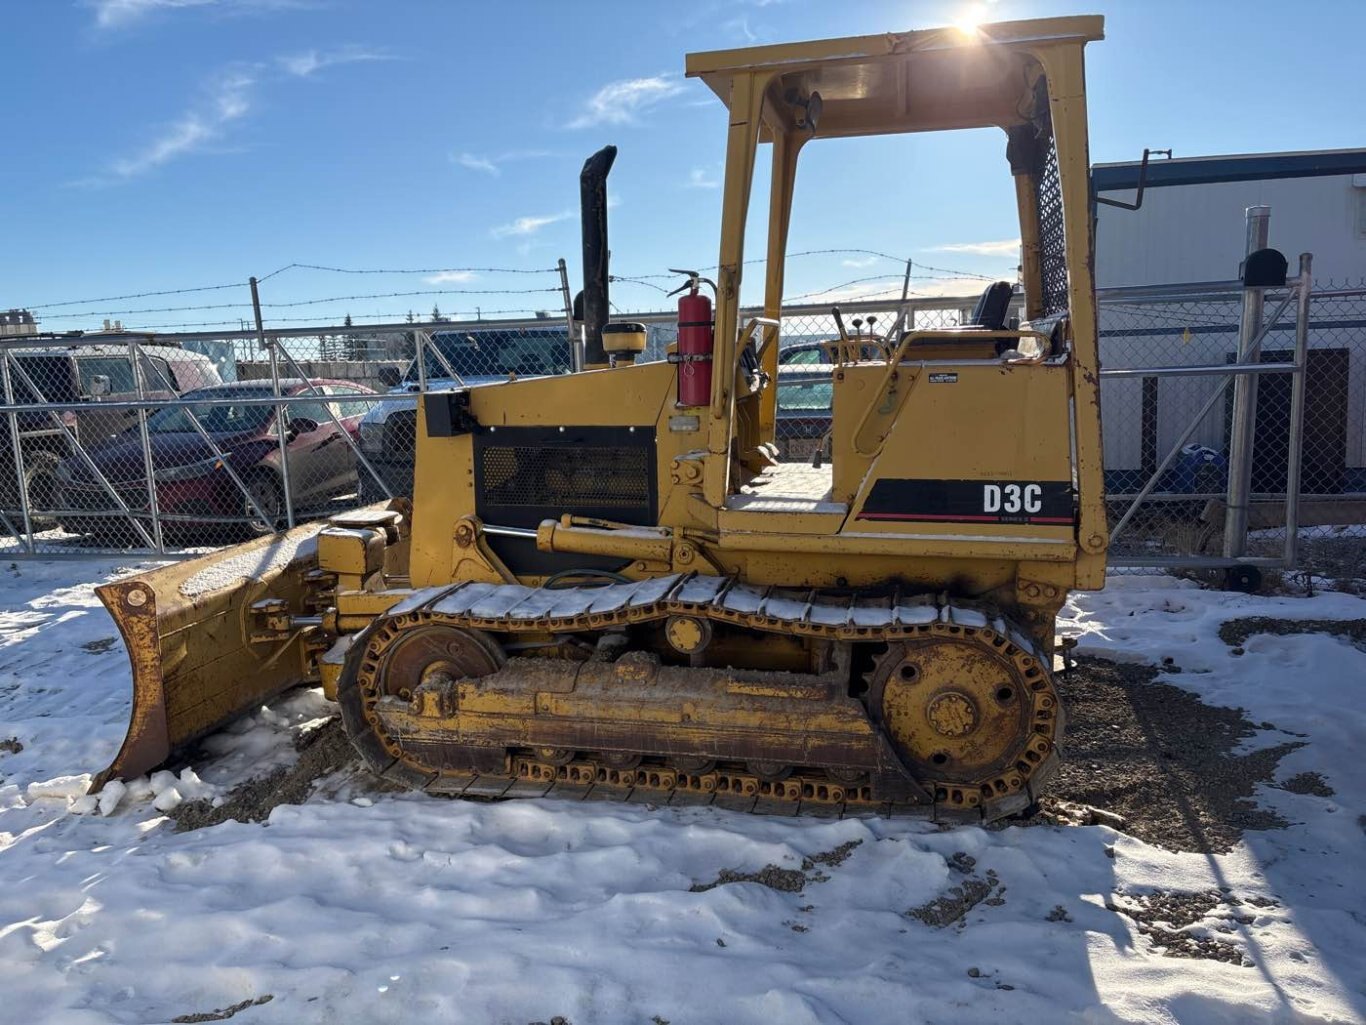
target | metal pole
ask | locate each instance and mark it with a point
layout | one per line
(893, 336)
(147, 463)
(421, 345)
(1297, 389)
(1244, 420)
(575, 356)
(18, 449)
(424, 339)
(281, 408)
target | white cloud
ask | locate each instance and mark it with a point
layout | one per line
(618, 103)
(1005, 247)
(698, 178)
(475, 163)
(968, 288)
(229, 99)
(740, 27)
(529, 225)
(493, 164)
(860, 261)
(114, 14)
(447, 277)
(302, 65)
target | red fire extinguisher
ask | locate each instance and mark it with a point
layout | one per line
(696, 341)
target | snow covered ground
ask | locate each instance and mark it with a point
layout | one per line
(370, 908)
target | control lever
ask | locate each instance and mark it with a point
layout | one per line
(839, 323)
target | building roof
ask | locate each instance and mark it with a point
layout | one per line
(1239, 167)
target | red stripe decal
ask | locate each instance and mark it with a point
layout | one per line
(957, 518)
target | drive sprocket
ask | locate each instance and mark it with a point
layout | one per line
(969, 712)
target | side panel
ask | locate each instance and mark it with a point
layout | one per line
(983, 450)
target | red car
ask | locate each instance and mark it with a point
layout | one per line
(194, 491)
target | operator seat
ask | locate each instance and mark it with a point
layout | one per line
(992, 309)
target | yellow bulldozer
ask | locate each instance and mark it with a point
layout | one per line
(607, 584)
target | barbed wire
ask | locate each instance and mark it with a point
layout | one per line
(640, 279)
(134, 295)
(243, 324)
(408, 295)
(836, 288)
(410, 270)
(873, 252)
(874, 277)
(309, 302)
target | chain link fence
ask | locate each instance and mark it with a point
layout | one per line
(1145, 417)
(176, 442)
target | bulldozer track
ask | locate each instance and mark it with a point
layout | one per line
(658, 780)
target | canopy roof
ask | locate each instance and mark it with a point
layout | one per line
(900, 82)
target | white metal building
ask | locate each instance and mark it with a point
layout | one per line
(1191, 228)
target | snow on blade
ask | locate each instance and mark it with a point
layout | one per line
(252, 565)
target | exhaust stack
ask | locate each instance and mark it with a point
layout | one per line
(593, 203)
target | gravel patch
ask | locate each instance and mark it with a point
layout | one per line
(1341, 560)
(1172, 923)
(951, 907)
(784, 880)
(1235, 632)
(1153, 760)
(1311, 783)
(223, 1013)
(322, 751)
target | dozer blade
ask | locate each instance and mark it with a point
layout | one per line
(188, 631)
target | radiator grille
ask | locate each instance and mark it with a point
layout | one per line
(568, 479)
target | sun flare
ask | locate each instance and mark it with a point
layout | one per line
(970, 18)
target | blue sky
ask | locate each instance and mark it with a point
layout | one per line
(160, 144)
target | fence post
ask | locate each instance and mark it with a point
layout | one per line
(17, 445)
(1294, 455)
(1244, 420)
(420, 353)
(148, 464)
(281, 427)
(575, 353)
